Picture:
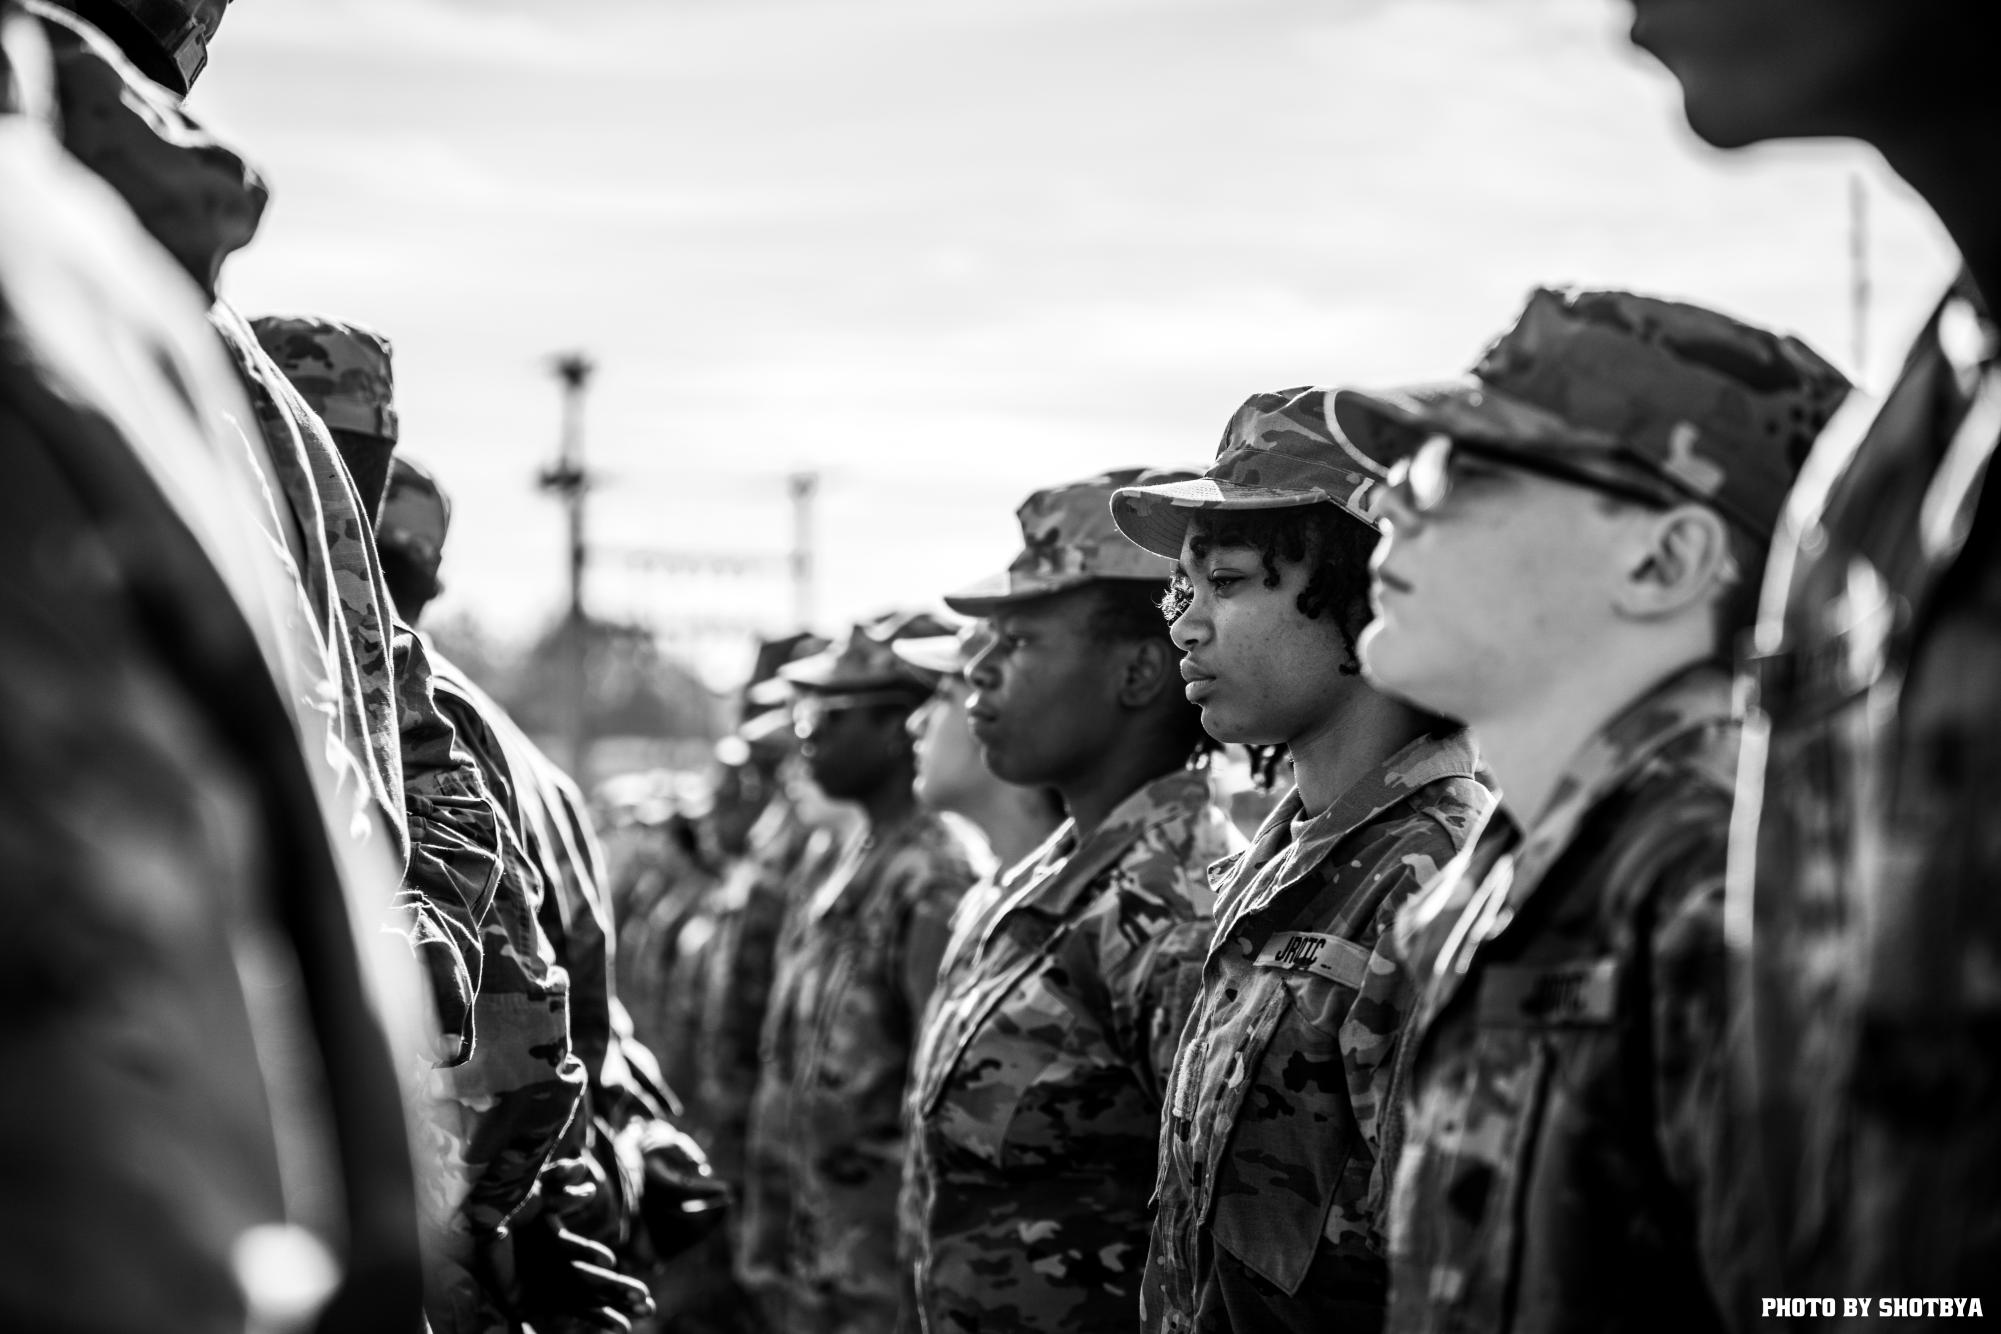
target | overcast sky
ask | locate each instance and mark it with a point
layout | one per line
(945, 251)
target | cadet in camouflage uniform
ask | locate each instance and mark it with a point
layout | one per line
(855, 964)
(1035, 1091)
(201, 201)
(1280, 1132)
(1863, 883)
(203, 1125)
(541, 1213)
(1568, 535)
(624, 1178)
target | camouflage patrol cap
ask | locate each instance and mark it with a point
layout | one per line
(168, 39)
(1068, 540)
(345, 372)
(764, 711)
(945, 655)
(1280, 451)
(864, 663)
(1720, 410)
(416, 515)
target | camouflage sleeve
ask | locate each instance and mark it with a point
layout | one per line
(1371, 1036)
(521, 1086)
(1171, 964)
(455, 849)
(579, 915)
(1149, 952)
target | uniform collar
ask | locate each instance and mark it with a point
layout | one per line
(1693, 699)
(1688, 701)
(1419, 764)
(1054, 876)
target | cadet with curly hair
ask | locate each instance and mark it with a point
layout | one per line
(1278, 1136)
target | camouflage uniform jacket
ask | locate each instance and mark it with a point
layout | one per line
(201, 201)
(593, 1177)
(1868, 869)
(1036, 1091)
(523, 1082)
(1564, 1062)
(1279, 1134)
(856, 961)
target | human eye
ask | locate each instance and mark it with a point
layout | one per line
(1221, 581)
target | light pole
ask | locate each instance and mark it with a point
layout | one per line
(569, 482)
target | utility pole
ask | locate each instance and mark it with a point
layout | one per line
(1858, 272)
(569, 482)
(802, 486)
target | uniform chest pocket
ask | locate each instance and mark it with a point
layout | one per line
(963, 1056)
(1460, 1210)
(1294, 1138)
(838, 1021)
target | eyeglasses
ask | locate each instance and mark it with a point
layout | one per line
(1423, 478)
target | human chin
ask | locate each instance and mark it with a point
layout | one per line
(1395, 661)
(1217, 717)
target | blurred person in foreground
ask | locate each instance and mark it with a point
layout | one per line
(1571, 534)
(532, 1239)
(1863, 878)
(1041, 1065)
(952, 779)
(203, 1122)
(855, 964)
(1280, 1131)
(201, 201)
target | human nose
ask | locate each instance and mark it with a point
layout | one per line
(981, 673)
(1393, 509)
(1191, 627)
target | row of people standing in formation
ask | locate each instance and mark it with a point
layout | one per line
(1558, 990)
(1406, 1053)
(1570, 985)
(315, 1017)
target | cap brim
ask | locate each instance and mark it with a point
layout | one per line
(943, 655)
(1384, 425)
(1157, 517)
(817, 672)
(773, 726)
(1005, 589)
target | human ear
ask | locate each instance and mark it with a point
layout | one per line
(1149, 665)
(1677, 561)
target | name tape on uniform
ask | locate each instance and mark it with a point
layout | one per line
(1514, 996)
(1331, 957)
